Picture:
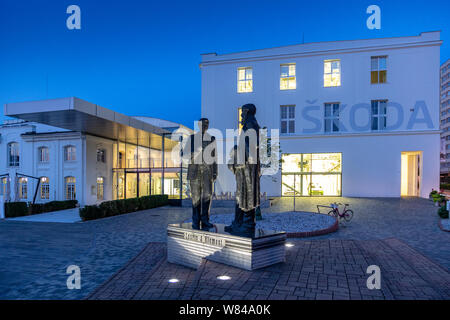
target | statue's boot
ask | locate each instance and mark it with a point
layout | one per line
(247, 228)
(196, 216)
(205, 215)
(238, 219)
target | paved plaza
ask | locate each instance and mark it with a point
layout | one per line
(323, 269)
(35, 255)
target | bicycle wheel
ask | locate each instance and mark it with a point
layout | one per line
(332, 213)
(348, 215)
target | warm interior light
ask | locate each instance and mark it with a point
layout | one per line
(224, 278)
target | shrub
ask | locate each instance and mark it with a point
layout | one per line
(433, 193)
(132, 205)
(52, 206)
(16, 209)
(109, 208)
(116, 207)
(90, 213)
(443, 212)
(149, 202)
(445, 186)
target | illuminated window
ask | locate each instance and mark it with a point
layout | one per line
(331, 117)
(245, 79)
(378, 114)
(287, 77)
(378, 69)
(121, 160)
(4, 186)
(70, 153)
(100, 187)
(13, 154)
(43, 154)
(70, 188)
(45, 188)
(332, 73)
(311, 174)
(23, 188)
(240, 125)
(287, 117)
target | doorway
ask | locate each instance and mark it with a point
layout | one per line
(411, 173)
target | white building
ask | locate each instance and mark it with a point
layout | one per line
(357, 118)
(90, 154)
(445, 117)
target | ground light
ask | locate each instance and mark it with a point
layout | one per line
(224, 278)
(173, 280)
(289, 245)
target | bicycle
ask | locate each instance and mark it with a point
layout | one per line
(346, 214)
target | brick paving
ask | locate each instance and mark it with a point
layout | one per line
(34, 256)
(323, 269)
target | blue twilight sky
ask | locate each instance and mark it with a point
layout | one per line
(142, 57)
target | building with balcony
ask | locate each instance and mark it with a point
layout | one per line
(356, 118)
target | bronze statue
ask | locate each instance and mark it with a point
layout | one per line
(201, 174)
(245, 164)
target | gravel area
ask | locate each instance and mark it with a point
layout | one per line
(445, 224)
(285, 221)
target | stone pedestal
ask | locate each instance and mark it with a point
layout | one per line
(187, 246)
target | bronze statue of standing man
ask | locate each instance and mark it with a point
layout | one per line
(201, 174)
(246, 166)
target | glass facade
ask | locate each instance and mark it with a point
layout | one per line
(311, 174)
(147, 168)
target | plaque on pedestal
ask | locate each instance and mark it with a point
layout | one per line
(187, 246)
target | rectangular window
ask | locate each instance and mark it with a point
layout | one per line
(23, 188)
(311, 174)
(240, 125)
(245, 79)
(378, 114)
(4, 187)
(43, 154)
(287, 77)
(70, 153)
(13, 154)
(70, 188)
(45, 188)
(378, 69)
(287, 117)
(100, 181)
(332, 73)
(331, 117)
(101, 155)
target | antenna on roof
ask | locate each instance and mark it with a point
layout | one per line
(303, 38)
(46, 86)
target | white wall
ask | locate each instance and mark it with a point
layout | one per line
(412, 76)
(96, 169)
(85, 168)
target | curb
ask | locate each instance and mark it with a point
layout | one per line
(441, 226)
(314, 233)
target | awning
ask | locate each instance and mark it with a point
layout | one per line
(82, 116)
